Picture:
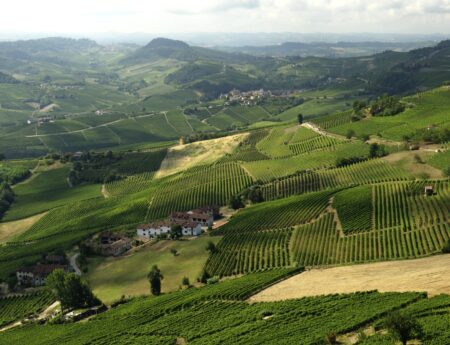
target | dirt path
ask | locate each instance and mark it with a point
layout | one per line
(426, 274)
(333, 211)
(73, 263)
(105, 192)
(320, 131)
(83, 129)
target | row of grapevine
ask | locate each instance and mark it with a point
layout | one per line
(316, 143)
(247, 151)
(320, 243)
(354, 208)
(130, 185)
(333, 120)
(268, 170)
(404, 204)
(18, 307)
(371, 171)
(89, 214)
(213, 185)
(278, 214)
(251, 251)
(199, 316)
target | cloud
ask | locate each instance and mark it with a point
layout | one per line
(212, 6)
(181, 16)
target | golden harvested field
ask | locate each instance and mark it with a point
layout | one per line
(182, 157)
(427, 274)
(9, 230)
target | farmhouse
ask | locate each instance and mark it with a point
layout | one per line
(112, 244)
(153, 229)
(203, 215)
(191, 229)
(192, 216)
(188, 228)
(36, 275)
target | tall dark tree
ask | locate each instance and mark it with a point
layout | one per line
(154, 277)
(211, 247)
(236, 202)
(176, 231)
(300, 119)
(403, 326)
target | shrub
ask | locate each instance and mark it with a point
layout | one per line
(446, 248)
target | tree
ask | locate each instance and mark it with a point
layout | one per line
(176, 231)
(446, 248)
(236, 202)
(211, 247)
(365, 137)
(376, 150)
(350, 133)
(71, 290)
(154, 278)
(2, 157)
(185, 281)
(174, 251)
(300, 119)
(204, 276)
(404, 326)
(373, 151)
(255, 195)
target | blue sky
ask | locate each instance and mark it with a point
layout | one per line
(176, 16)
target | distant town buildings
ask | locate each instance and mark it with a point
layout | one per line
(245, 98)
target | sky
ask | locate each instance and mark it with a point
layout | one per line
(183, 16)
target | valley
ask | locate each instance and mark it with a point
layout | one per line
(274, 199)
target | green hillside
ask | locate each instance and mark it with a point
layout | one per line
(312, 161)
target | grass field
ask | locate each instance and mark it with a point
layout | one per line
(8, 230)
(111, 278)
(47, 190)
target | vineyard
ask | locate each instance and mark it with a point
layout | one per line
(321, 243)
(16, 171)
(333, 120)
(192, 315)
(18, 307)
(267, 170)
(278, 214)
(249, 252)
(354, 208)
(319, 142)
(204, 185)
(393, 220)
(247, 151)
(131, 184)
(371, 171)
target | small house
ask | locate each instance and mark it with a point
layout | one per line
(36, 275)
(429, 191)
(113, 244)
(154, 229)
(191, 229)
